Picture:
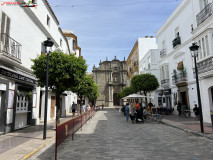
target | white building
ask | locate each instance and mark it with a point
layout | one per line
(144, 45)
(23, 31)
(190, 22)
(150, 64)
(140, 48)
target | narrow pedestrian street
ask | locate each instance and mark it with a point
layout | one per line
(108, 136)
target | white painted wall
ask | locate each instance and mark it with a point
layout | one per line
(144, 45)
(183, 17)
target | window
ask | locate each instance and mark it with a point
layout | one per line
(5, 24)
(207, 45)
(204, 49)
(74, 47)
(199, 51)
(48, 20)
(43, 49)
(61, 42)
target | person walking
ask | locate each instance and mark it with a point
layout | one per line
(196, 111)
(133, 111)
(179, 108)
(73, 109)
(127, 111)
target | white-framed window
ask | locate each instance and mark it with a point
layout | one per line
(199, 51)
(207, 45)
(73, 45)
(5, 23)
(203, 47)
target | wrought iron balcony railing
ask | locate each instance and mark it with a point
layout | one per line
(162, 53)
(9, 46)
(205, 66)
(179, 78)
(165, 83)
(176, 42)
(204, 14)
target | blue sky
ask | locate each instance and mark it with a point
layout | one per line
(106, 28)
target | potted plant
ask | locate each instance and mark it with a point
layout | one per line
(175, 74)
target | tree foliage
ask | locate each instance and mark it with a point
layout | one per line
(65, 72)
(145, 83)
(125, 92)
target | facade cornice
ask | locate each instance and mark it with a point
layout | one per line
(173, 16)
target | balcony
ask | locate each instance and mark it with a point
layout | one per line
(10, 48)
(205, 66)
(165, 83)
(176, 42)
(204, 14)
(162, 53)
(179, 79)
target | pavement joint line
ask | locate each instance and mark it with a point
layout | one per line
(38, 149)
(189, 131)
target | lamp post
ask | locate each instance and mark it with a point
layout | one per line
(194, 52)
(47, 43)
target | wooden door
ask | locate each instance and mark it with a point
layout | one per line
(52, 113)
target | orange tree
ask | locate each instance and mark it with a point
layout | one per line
(144, 83)
(65, 72)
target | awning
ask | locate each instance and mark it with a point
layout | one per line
(134, 96)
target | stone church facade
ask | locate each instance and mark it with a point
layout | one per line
(111, 77)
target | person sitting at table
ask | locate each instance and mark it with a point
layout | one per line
(196, 111)
(150, 105)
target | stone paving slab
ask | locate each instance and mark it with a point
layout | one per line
(109, 136)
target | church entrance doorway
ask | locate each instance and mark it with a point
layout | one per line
(116, 99)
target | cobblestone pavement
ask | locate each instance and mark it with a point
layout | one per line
(109, 137)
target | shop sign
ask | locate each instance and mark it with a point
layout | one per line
(16, 76)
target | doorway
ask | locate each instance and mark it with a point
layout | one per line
(2, 112)
(52, 113)
(184, 99)
(116, 99)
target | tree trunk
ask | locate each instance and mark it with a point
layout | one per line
(58, 108)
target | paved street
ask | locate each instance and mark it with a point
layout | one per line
(108, 136)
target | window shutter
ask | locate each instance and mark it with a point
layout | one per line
(3, 26)
(7, 30)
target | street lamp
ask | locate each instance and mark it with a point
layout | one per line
(194, 52)
(47, 43)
